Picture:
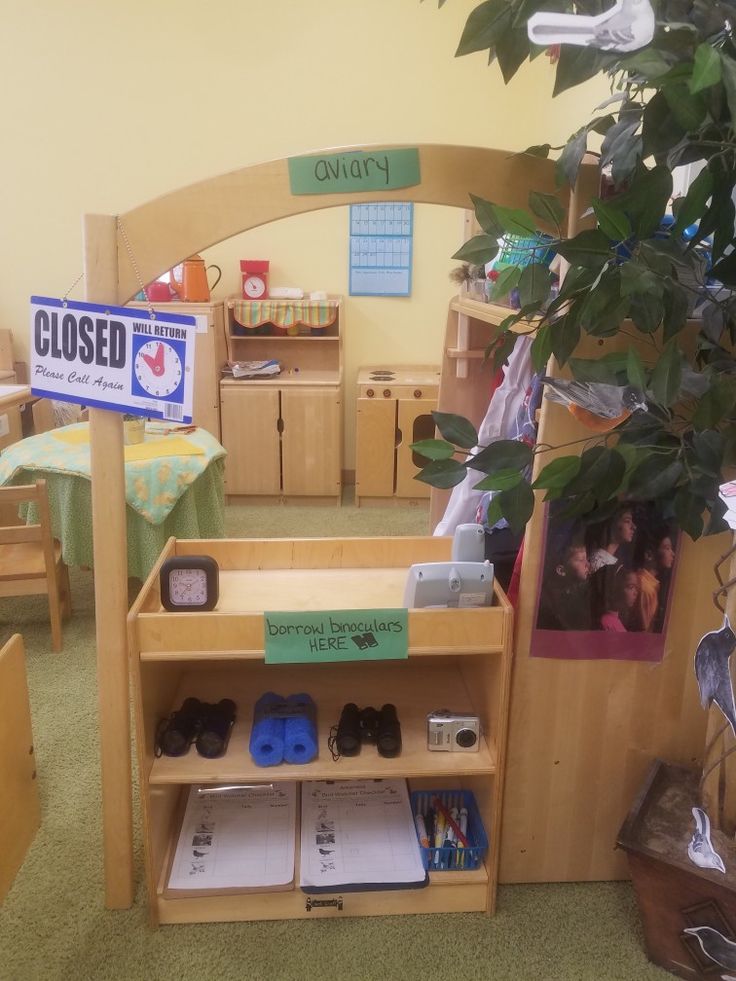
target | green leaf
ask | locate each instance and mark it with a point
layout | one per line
(456, 429)
(512, 50)
(676, 307)
(486, 217)
(565, 336)
(517, 505)
(478, 250)
(728, 70)
(442, 474)
(635, 370)
(501, 350)
(558, 473)
(589, 248)
(706, 68)
(707, 452)
(717, 402)
(689, 509)
(667, 376)
(541, 349)
(501, 480)
(508, 279)
(654, 478)
(646, 311)
(645, 201)
(568, 164)
(689, 110)
(610, 369)
(601, 472)
(725, 270)
(514, 221)
(534, 284)
(647, 62)
(613, 222)
(503, 454)
(483, 28)
(577, 65)
(637, 278)
(538, 150)
(433, 449)
(547, 208)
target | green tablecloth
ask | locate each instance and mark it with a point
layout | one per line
(197, 513)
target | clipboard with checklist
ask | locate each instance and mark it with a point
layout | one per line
(358, 835)
(235, 839)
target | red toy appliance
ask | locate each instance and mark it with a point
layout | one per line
(254, 274)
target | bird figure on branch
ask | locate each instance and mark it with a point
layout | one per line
(596, 405)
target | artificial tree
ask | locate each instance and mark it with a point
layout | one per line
(672, 103)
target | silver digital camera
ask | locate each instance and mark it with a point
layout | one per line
(452, 732)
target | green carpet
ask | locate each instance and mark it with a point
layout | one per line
(53, 924)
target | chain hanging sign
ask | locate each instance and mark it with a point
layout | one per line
(113, 357)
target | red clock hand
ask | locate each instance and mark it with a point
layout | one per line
(156, 364)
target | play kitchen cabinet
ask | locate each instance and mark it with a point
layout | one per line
(457, 658)
(394, 410)
(283, 433)
(210, 352)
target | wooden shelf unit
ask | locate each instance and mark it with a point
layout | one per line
(284, 434)
(459, 659)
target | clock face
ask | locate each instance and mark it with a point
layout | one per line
(189, 583)
(157, 368)
(254, 286)
(188, 587)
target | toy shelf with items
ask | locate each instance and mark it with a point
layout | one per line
(283, 433)
(457, 658)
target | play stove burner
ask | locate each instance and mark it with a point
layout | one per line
(382, 376)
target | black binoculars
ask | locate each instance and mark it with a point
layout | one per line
(358, 726)
(207, 725)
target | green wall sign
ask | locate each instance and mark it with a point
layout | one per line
(336, 635)
(336, 173)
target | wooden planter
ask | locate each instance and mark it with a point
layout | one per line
(672, 892)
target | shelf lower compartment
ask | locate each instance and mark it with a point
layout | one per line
(460, 891)
(416, 688)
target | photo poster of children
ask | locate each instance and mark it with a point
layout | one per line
(605, 586)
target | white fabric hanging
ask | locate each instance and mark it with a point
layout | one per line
(498, 423)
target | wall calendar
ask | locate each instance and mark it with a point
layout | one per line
(381, 239)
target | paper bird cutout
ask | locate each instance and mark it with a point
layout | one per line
(627, 26)
(700, 851)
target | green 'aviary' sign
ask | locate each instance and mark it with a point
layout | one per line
(335, 635)
(335, 173)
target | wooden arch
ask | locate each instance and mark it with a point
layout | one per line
(121, 253)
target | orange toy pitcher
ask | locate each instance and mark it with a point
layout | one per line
(193, 286)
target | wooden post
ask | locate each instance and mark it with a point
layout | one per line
(111, 591)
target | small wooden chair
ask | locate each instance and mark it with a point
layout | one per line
(30, 559)
(42, 411)
(44, 416)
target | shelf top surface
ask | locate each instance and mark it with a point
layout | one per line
(399, 375)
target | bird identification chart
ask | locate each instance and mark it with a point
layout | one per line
(113, 357)
(236, 838)
(381, 236)
(358, 833)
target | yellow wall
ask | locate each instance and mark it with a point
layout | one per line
(107, 105)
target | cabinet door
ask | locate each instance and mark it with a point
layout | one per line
(375, 447)
(311, 441)
(415, 422)
(250, 434)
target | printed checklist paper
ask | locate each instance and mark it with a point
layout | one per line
(358, 833)
(236, 838)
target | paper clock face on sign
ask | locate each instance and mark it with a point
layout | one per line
(157, 368)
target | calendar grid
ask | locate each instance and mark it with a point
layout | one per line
(381, 246)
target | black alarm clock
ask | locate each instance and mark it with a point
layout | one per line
(189, 583)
